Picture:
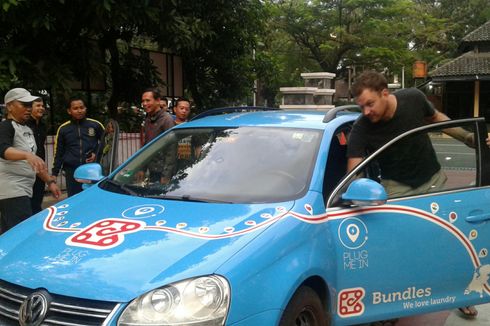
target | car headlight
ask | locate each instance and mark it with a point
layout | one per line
(201, 301)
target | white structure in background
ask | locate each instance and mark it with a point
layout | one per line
(317, 93)
(395, 85)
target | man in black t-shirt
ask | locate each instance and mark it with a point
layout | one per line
(409, 167)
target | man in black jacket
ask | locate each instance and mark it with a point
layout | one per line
(78, 141)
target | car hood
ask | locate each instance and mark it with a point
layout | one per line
(108, 246)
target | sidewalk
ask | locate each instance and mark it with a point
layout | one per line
(448, 318)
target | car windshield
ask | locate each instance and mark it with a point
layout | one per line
(232, 165)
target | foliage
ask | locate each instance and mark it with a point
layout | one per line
(337, 34)
(385, 35)
(61, 45)
(444, 24)
(216, 45)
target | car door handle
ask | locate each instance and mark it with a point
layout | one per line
(477, 218)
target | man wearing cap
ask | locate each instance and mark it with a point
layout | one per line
(18, 161)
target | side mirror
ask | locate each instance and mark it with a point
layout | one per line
(365, 192)
(88, 174)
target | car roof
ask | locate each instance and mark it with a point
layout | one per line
(277, 118)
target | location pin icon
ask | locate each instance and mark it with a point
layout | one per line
(143, 210)
(309, 209)
(434, 207)
(353, 232)
(473, 234)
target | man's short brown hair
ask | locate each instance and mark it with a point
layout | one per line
(369, 79)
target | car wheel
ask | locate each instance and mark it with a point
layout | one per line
(304, 309)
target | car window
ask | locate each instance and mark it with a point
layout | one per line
(245, 164)
(405, 169)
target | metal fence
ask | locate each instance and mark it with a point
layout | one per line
(128, 144)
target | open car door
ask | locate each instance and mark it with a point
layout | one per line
(405, 255)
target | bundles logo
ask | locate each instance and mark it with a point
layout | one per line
(349, 303)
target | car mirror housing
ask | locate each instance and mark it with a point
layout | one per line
(89, 173)
(365, 192)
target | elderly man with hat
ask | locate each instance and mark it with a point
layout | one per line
(18, 161)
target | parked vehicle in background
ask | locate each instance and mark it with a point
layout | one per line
(259, 225)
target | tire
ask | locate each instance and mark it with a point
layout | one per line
(304, 309)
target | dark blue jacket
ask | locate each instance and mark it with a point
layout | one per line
(74, 141)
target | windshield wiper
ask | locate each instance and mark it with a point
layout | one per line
(123, 187)
(189, 198)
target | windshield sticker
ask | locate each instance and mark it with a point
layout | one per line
(230, 139)
(298, 135)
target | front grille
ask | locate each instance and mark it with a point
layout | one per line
(65, 311)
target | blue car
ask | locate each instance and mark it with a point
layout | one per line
(254, 220)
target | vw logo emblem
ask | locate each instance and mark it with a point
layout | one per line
(34, 308)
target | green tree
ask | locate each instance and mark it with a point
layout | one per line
(52, 44)
(377, 34)
(339, 33)
(58, 45)
(216, 42)
(441, 26)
